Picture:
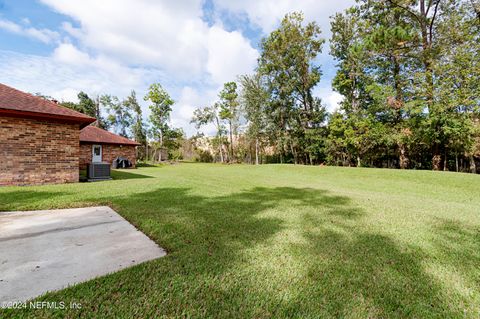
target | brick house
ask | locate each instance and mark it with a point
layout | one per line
(98, 145)
(39, 140)
(42, 142)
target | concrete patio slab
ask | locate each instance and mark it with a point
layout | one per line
(49, 250)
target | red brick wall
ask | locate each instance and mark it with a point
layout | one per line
(109, 153)
(85, 155)
(38, 152)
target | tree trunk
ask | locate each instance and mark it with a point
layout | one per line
(359, 161)
(256, 151)
(473, 166)
(427, 37)
(161, 147)
(294, 154)
(436, 161)
(456, 162)
(97, 111)
(426, 53)
(436, 158)
(403, 156)
(221, 153)
(146, 151)
(231, 140)
(445, 162)
(219, 135)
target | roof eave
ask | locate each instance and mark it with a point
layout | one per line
(111, 143)
(83, 121)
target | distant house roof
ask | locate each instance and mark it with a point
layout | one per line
(17, 103)
(93, 134)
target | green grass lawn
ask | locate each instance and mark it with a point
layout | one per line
(281, 241)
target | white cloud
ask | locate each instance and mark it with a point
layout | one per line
(61, 78)
(67, 94)
(333, 101)
(119, 77)
(164, 34)
(44, 35)
(26, 21)
(71, 30)
(229, 55)
(169, 35)
(191, 99)
(330, 98)
(268, 13)
(68, 53)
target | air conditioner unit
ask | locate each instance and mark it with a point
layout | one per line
(98, 171)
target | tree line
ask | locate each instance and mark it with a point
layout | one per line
(409, 75)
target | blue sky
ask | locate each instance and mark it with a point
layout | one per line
(191, 47)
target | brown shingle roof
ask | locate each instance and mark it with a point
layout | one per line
(21, 104)
(93, 134)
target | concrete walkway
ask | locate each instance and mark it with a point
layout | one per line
(49, 250)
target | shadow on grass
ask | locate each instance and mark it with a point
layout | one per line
(148, 165)
(363, 273)
(118, 174)
(12, 200)
(459, 246)
(178, 216)
(367, 275)
(264, 252)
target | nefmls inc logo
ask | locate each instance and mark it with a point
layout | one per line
(47, 305)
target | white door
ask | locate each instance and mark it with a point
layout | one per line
(96, 153)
